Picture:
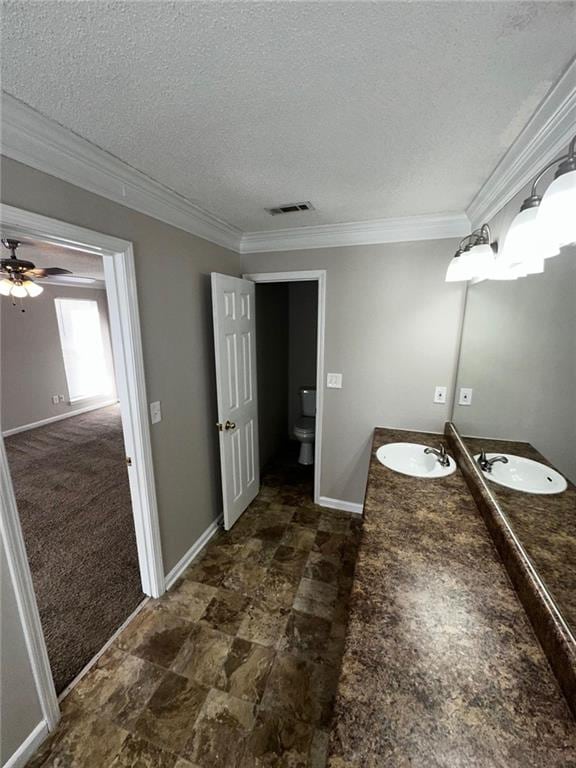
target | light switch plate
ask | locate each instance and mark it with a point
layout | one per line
(155, 412)
(440, 394)
(334, 380)
(465, 397)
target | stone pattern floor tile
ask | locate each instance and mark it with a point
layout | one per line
(237, 665)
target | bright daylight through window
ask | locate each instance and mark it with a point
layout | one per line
(83, 349)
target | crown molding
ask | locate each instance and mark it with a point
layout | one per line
(547, 133)
(37, 141)
(394, 230)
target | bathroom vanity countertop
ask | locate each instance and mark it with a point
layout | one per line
(544, 524)
(441, 666)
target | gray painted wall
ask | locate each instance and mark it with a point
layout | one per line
(303, 305)
(519, 355)
(272, 367)
(172, 270)
(32, 366)
(19, 703)
(173, 276)
(392, 329)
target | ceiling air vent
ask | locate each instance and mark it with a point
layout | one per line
(290, 208)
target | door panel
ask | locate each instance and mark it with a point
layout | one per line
(234, 343)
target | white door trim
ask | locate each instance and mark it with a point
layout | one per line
(320, 277)
(118, 260)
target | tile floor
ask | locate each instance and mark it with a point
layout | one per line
(237, 666)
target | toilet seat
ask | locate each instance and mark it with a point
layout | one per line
(305, 427)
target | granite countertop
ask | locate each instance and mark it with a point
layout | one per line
(544, 525)
(441, 666)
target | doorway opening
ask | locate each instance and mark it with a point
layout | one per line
(63, 435)
(76, 480)
(289, 354)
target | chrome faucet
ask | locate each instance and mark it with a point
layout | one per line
(485, 463)
(441, 454)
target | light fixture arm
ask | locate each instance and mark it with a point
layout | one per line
(477, 237)
(547, 167)
(485, 233)
(567, 162)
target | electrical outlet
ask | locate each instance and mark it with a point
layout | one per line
(440, 394)
(55, 399)
(61, 398)
(465, 397)
(155, 412)
(334, 380)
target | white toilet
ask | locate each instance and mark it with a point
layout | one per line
(305, 427)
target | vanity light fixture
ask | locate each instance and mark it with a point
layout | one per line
(544, 224)
(481, 256)
(456, 269)
(475, 257)
(557, 214)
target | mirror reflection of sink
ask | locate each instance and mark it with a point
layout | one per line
(411, 459)
(525, 475)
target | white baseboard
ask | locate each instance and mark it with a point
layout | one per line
(60, 417)
(345, 506)
(192, 553)
(28, 747)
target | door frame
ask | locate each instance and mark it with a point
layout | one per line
(120, 278)
(318, 276)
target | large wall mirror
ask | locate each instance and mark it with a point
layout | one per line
(518, 358)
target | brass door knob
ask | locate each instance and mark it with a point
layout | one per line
(226, 426)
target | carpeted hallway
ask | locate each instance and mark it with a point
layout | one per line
(71, 486)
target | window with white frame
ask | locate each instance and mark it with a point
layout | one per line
(83, 348)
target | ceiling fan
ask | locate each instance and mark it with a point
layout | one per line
(17, 277)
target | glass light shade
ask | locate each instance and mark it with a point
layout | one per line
(5, 287)
(18, 291)
(557, 211)
(525, 242)
(455, 272)
(478, 261)
(533, 267)
(502, 271)
(32, 288)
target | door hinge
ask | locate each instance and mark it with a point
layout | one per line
(128, 461)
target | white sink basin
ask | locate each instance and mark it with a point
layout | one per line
(525, 475)
(410, 459)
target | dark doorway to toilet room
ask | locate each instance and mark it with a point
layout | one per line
(286, 338)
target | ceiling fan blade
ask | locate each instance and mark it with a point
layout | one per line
(40, 272)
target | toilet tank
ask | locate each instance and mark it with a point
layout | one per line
(308, 401)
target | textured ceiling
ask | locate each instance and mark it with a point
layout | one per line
(369, 110)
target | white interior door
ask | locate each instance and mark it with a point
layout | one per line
(233, 308)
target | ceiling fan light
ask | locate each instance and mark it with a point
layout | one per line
(556, 215)
(18, 291)
(33, 288)
(5, 287)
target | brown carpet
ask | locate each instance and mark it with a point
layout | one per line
(71, 486)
